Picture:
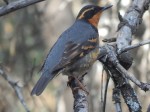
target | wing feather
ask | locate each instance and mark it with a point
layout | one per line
(74, 52)
(71, 46)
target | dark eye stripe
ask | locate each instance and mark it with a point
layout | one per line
(83, 13)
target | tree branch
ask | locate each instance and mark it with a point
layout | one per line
(80, 97)
(19, 4)
(130, 22)
(16, 87)
(112, 58)
(109, 58)
(116, 99)
(134, 46)
(143, 86)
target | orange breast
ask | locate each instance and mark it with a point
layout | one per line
(95, 19)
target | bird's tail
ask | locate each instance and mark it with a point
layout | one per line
(41, 84)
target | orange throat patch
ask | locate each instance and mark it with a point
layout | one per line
(95, 19)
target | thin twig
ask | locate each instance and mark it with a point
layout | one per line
(16, 87)
(16, 5)
(112, 57)
(134, 46)
(106, 88)
(143, 86)
(102, 100)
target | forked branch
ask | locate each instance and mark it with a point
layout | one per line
(16, 87)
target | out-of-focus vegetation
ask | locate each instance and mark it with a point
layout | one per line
(26, 37)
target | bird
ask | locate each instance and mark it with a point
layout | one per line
(76, 49)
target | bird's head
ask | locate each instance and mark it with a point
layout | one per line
(91, 13)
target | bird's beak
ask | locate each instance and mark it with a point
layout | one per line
(107, 7)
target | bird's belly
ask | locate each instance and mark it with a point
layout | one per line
(83, 65)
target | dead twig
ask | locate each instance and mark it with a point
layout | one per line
(133, 46)
(143, 86)
(112, 57)
(16, 87)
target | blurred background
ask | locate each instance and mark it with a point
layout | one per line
(26, 37)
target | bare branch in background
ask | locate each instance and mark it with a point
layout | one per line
(16, 87)
(19, 4)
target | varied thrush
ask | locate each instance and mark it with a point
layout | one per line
(75, 50)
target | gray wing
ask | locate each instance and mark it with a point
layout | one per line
(51, 60)
(80, 43)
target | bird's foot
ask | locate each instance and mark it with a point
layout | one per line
(70, 79)
(77, 88)
(109, 40)
(80, 85)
